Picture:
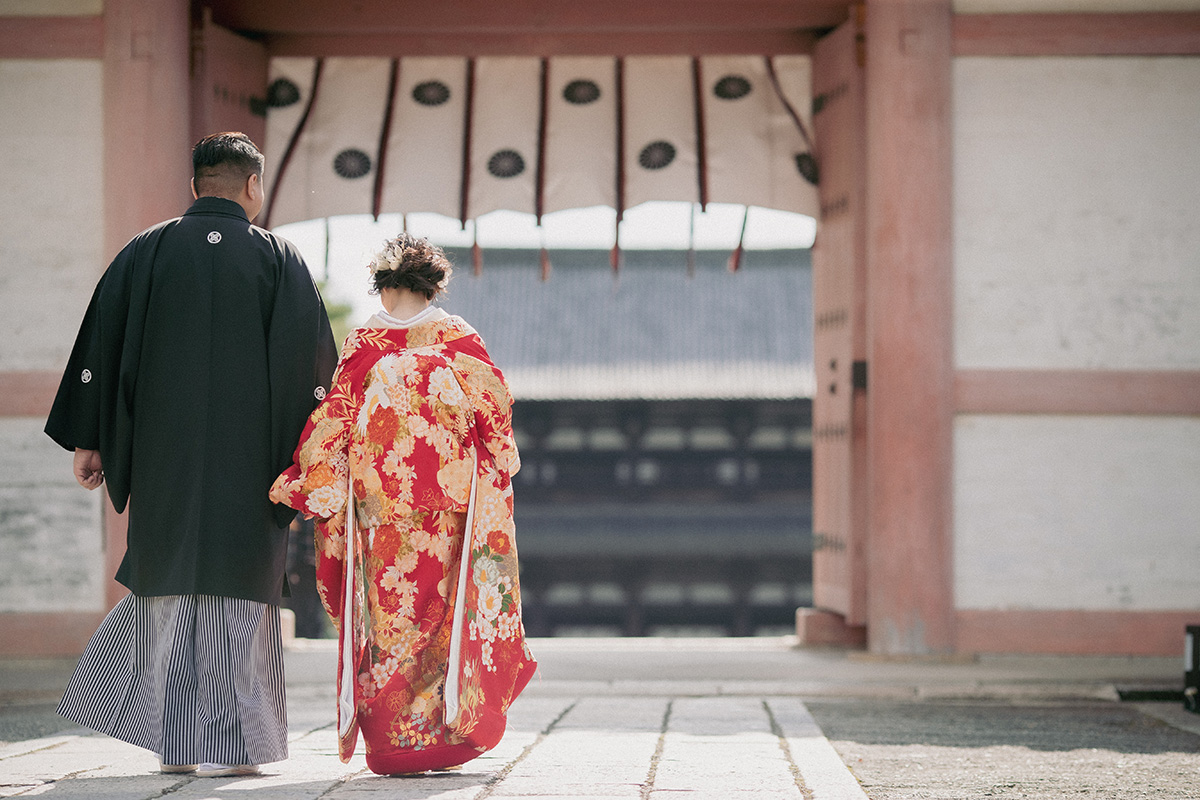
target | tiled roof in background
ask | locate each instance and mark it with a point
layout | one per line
(650, 332)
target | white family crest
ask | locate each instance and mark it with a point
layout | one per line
(86, 377)
(214, 237)
(319, 393)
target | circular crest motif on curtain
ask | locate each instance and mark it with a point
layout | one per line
(581, 92)
(732, 87)
(657, 155)
(352, 163)
(807, 166)
(282, 93)
(431, 93)
(506, 163)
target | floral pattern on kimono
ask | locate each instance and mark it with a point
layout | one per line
(415, 420)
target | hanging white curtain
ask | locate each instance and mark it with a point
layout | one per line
(790, 190)
(581, 133)
(288, 96)
(331, 169)
(423, 166)
(463, 137)
(504, 135)
(660, 130)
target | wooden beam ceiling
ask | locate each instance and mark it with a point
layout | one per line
(530, 27)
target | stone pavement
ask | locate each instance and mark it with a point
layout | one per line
(695, 719)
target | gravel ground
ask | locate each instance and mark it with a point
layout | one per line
(942, 750)
(18, 723)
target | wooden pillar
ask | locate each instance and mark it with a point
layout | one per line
(147, 163)
(909, 325)
(147, 159)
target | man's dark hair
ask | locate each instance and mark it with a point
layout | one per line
(222, 162)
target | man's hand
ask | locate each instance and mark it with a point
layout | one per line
(87, 467)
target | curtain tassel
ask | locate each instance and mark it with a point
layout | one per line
(735, 258)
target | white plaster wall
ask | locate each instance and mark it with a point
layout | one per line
(51, 540)
(1076, 200)
(1077, 512)
(51, 244)
(51, 212)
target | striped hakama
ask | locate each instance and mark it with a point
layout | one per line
(193, 678)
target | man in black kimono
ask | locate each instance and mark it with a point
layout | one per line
(203, 351)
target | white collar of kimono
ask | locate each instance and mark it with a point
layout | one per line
(382, 319)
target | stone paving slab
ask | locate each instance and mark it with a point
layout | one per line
(821, 767)
(632, 747)
(697, 748)
(698, 719)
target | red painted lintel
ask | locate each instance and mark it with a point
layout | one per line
(51, 37)
(1131, 34)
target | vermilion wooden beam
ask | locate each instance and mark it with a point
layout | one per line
(714, 28)
(517, 17)
(1151, 34)
(51, 37)
(542, 44)
(1016, 391)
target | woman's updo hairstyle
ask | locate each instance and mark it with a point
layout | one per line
(410, 262)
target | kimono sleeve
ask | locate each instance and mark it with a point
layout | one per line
(74, 420)
(93, 408)
(492, 403)
(301, 357)
(316, 484)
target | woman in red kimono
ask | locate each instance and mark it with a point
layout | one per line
(422, 580)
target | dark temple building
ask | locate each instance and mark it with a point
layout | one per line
(664, 421)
